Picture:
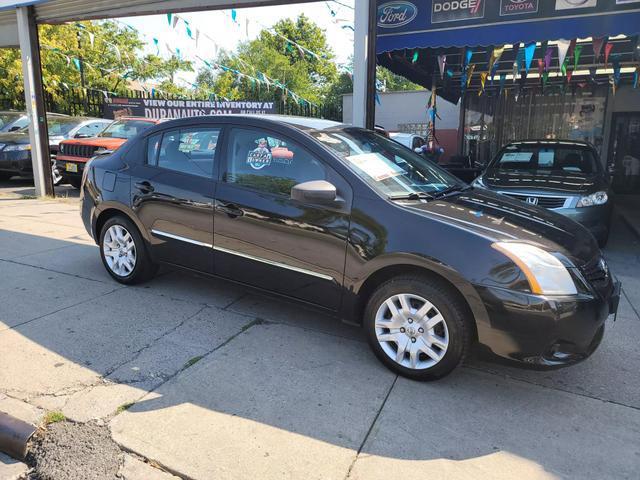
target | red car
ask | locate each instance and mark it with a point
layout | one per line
(74, 154)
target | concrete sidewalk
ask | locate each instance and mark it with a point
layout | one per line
(207, 380)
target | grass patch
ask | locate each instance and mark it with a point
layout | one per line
(124, 406)
(53, 417)
(193, 361)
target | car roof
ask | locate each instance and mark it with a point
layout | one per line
(142, 119)
(300, 123)
(576, 143)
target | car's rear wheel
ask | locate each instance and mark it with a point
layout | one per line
(124, 253)
(75, 182)
(5, 176)
(418, 327)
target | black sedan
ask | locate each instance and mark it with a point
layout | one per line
(15, 146)
(358, 225)
(562, 175)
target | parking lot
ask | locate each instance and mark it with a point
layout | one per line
(202, 379)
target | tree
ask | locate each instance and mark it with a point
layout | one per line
(107, 54)
(280, 54)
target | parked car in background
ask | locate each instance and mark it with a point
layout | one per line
(409, 140)
(15, 147)
(74, 154)
(565, 176)
(354, 223)
(12, 120)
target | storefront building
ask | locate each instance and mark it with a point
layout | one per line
(524, 69)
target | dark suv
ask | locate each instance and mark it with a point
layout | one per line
(561, 175)
(354, 223)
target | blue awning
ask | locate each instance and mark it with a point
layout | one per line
(459, 23)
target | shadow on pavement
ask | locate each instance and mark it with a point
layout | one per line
(228, 381)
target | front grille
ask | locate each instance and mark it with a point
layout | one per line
(82, 151)
(541, 201)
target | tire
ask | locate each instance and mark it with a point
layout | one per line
(116, 235)
(75, 182)
(5, 176)
(448, 339)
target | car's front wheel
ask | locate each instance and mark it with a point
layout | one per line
(418, 327)
(124, 253)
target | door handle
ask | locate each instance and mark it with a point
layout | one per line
(229, 209)
(144, 187)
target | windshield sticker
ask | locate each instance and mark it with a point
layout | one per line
(517, 157)
(282, 156)
(260, 157)
(375, 166)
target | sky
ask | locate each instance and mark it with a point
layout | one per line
(219, 30)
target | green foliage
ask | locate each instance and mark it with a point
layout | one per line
(274, 55)
(53, 417)
(108, 62)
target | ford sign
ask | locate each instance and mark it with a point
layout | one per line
(396, 14)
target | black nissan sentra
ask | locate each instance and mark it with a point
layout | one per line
(354, 223)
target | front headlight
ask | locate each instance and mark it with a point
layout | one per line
(545, 273)
(19, 147)
(598, 198)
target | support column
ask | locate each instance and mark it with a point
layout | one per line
(364, 64)
(34, 100)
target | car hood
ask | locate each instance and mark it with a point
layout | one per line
(14, 138)
(500, 218)
(104, 142)
(568, 182)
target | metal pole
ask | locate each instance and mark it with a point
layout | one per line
(85, 100)
(370, 115)
(360, 63)
(34, 100)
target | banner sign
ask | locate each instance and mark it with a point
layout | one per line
(407, 24)
(117, 107)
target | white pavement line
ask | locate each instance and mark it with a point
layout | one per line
(549, 387)
(60, 309)
(373, 423)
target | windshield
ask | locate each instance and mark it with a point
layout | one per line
(388, 167)
(7, 117)
(541, 159)
(61, 126)
(125, 129)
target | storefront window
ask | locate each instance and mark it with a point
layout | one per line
(492, 121)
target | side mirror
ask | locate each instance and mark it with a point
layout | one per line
(13, 129)
(316, 191)
(418, 150)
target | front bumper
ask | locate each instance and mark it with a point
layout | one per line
(596, 219)
(16, 162)
(545, 332)
(65, 168)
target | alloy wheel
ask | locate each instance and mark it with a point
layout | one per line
(55, 175)
(411, 331)
(119, 250)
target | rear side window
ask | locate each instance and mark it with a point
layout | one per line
(189, 150)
